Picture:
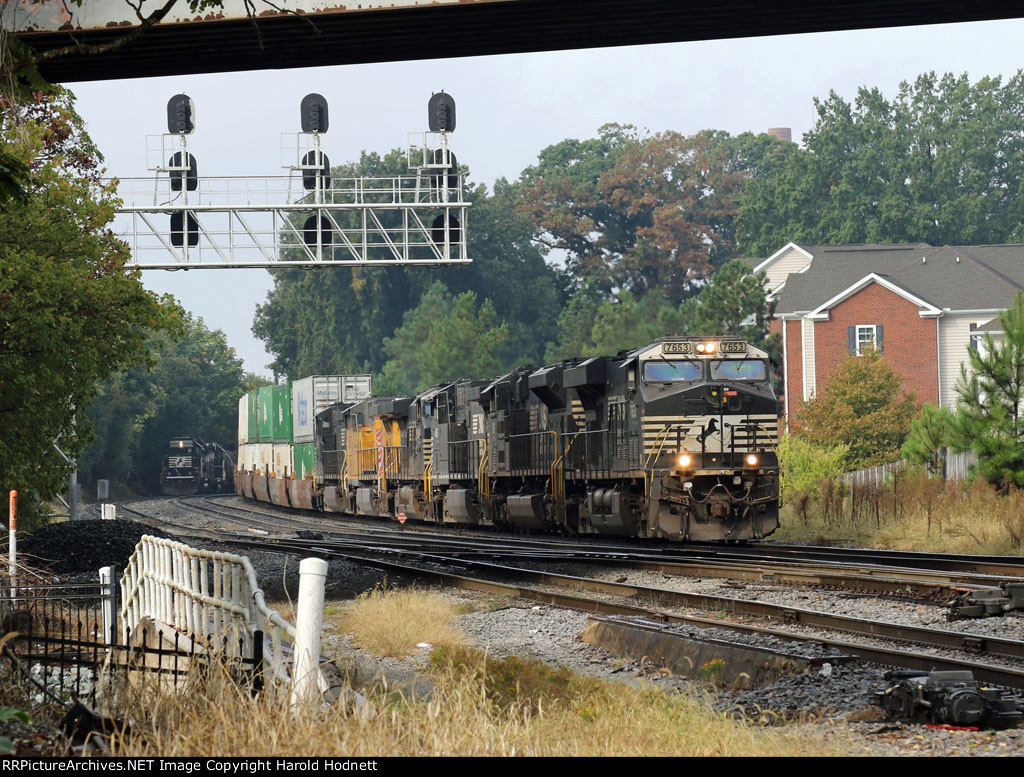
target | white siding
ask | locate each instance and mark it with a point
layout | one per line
(954, 340)
(807, 337)
(789, 262)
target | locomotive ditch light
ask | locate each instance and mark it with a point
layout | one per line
(685, 461)
(751, 460)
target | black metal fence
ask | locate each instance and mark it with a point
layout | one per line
(58, 646)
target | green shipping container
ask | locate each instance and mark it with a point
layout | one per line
(254, 416)
(282, 421)
(304, 458)
(265, 408)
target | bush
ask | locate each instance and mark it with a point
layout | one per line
(805, 468)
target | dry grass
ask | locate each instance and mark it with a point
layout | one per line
(520, 711)
(918, 513)
(391, 622)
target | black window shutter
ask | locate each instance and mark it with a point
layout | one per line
(852, 331)
(879, 341)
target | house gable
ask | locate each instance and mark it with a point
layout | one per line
(791, 258)
(926, 309)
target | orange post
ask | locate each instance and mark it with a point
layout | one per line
(13, 510)
(13, 546)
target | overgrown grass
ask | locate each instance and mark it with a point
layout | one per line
(391, 622)
(913, 512)
(480, 706)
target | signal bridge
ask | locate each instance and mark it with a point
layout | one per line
(178, 220)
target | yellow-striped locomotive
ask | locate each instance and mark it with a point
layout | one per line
(674, 440)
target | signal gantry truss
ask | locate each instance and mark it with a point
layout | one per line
(269, 221)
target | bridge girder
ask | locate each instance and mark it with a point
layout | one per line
(413, 29)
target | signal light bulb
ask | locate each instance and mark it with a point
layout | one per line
(752, 460)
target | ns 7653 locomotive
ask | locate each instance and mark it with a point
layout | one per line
(676, 440)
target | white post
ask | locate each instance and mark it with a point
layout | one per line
(108, 608)
(309, 620)
(13, 546)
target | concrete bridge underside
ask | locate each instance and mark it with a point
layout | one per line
(415, 29)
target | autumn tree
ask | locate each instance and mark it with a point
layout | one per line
(635, 212)
(990, 405)
(71, 312)
(942, 162)
(861, 406)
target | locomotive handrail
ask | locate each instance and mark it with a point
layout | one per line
(483, 482)
(652, 457)
(428, 483)
(539, 434)
(586, 469)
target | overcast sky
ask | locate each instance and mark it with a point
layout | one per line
(509, 108)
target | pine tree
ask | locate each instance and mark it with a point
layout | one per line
(991, 402)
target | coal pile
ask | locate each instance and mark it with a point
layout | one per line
(77, 547)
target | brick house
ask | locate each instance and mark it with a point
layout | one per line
(922, 306)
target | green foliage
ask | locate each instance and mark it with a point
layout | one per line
(517, 684)
(71, 313)
(990, 402)
(941, 163)
(860, 407)
(929, 434)
(337, 320)
(6, 713)
(733, 302)
(192, 389)
(805, 466)
(442, 338)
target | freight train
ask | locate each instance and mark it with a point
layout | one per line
(675, 440)
(194, 466)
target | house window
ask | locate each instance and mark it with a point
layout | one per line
(863, 336)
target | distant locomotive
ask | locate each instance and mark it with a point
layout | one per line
(194, 466)
(676, 440)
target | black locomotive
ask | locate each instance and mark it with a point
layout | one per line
(194, 466)
(675, 440)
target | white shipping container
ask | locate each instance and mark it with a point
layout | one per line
(282, 460)
(243, 423)
(264, 456)
(316, 393)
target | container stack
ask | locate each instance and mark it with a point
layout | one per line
(277, 434)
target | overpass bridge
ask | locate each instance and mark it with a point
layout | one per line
(255, 34)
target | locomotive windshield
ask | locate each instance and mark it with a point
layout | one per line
(738, 369)
(664, 370)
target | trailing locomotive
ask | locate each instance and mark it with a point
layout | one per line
(194, 466)
(675, 440)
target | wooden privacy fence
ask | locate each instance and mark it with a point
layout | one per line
(957, 468)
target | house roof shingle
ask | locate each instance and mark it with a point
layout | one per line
(950, 277)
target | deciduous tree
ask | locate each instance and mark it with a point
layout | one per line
(71, 313)
(861, 406)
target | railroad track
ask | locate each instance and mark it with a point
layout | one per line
(447, 561)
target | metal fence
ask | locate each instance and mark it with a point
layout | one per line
(211, 597)
(57, 646)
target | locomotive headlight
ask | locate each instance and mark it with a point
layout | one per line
(751, 460)
(700, 347)
(684, 460)
(709, 347)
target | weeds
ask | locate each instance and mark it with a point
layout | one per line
(391, 622)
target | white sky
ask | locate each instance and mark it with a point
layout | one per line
(509, 108)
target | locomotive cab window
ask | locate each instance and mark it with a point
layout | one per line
(678, 369)
(739, 369)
